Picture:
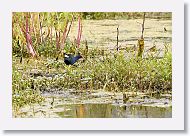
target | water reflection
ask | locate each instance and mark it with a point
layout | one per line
(113, 111)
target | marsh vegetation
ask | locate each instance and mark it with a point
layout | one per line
(110, 76)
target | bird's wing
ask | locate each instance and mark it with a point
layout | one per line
(74, 59)
(67, 61)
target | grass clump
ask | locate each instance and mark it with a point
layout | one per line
(109, 73)
(23, 92)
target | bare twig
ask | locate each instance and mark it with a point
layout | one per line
(143, 26)
(86, 50)
(141, 40)
(117, 45)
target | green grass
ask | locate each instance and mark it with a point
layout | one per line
(110, 73)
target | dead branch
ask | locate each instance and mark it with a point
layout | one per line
(141, 40)
(117, 45)
(143, 26)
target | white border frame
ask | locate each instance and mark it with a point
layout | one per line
(174, 123)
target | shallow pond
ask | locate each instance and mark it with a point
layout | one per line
(98, 104)
(114, 111)
(102, 33)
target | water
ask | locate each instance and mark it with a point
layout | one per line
(98, 105)
(113, 111)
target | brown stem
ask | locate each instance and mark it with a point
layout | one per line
(117, 38)
(143, 26)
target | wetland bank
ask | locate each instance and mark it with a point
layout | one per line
(111, 80)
